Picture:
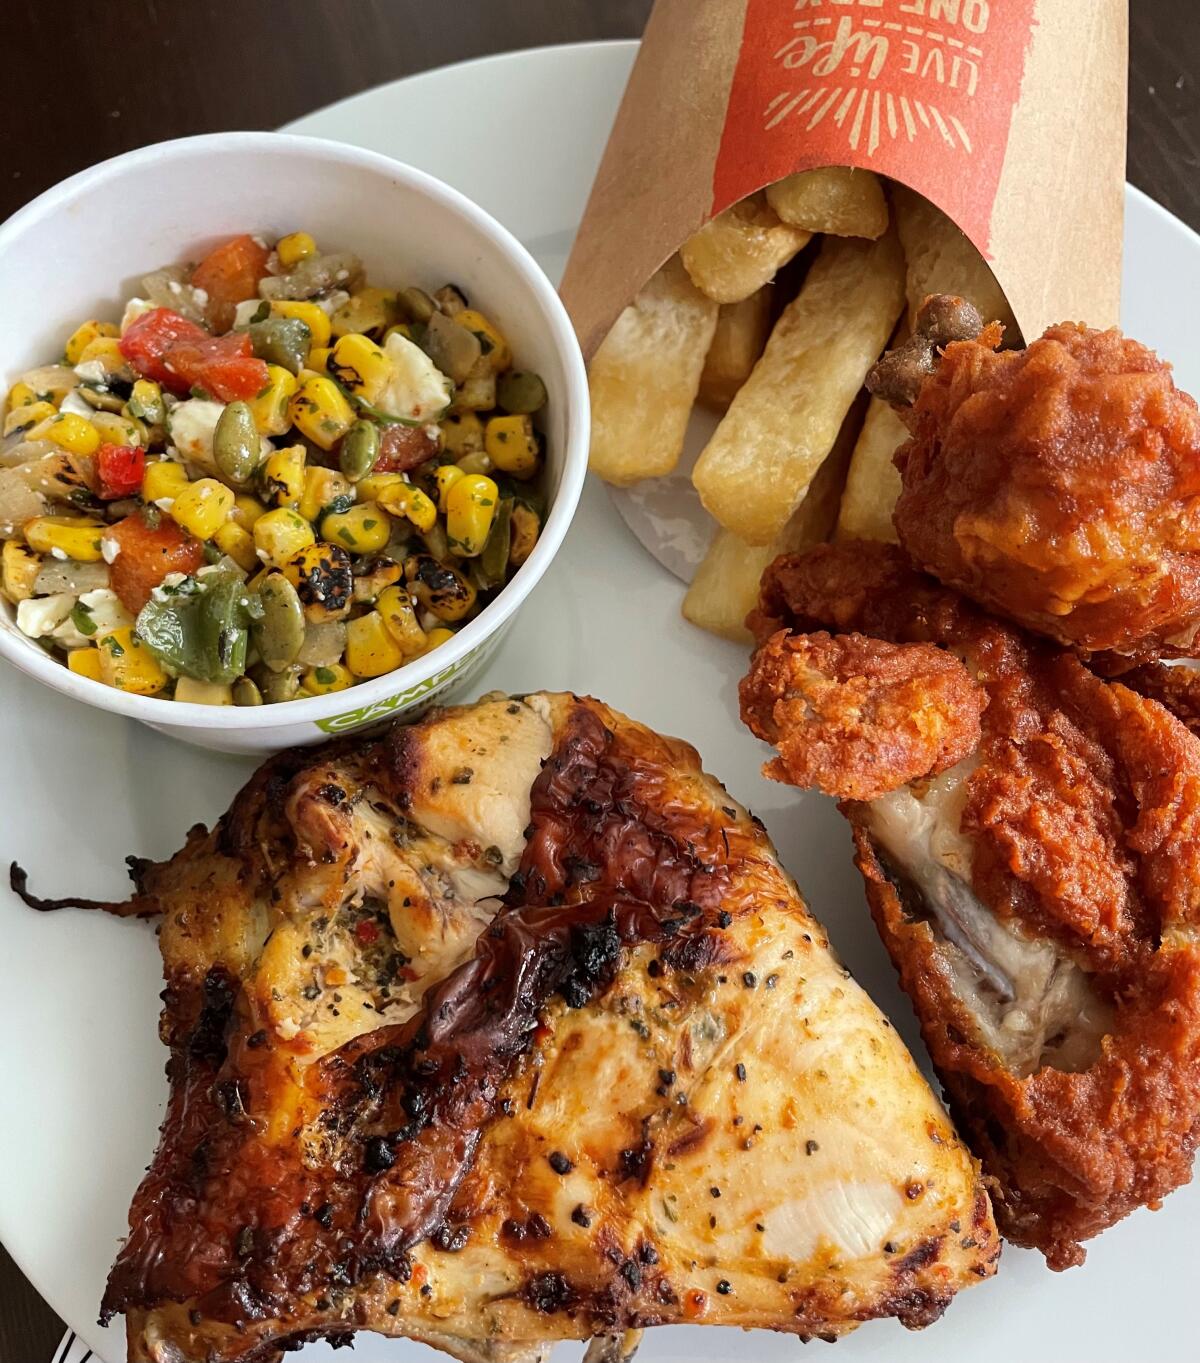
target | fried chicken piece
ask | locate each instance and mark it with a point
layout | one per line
(1039, 901)
(1059, 486)
(857, 717)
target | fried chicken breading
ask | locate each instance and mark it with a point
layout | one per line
(857, 717)
(1059, 486)
(1038, 899)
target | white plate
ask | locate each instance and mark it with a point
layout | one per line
(81, 1069)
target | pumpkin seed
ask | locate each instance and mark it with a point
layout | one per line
(246, 693)
(417, 304)
(359, 450)
(281, 340)
(280, 686)
(237, 446)
(520, 392)
(279, 632)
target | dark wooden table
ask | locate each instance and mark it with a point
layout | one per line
(208, 65)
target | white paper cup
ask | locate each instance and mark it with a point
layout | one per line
(80, 249)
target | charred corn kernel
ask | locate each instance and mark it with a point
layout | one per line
(319, 409)
(127, 664)
(447, 475)
(436, 637)
(495, 346)
(318, 358)
(294, 248)
(146, 403)
(438, 587)
(477, 392)
(322, 486)
(72, 432)
(247, 510)
(320, 681)
(405, 500)
(362, 529)
(85, 662)
(360, 366)
(370, 649)
(84, 335)
(20, 567)
(22, 420)
(523, 532)
(512, 445)
(375, 486)
(324, 581)
(400, 616)
(462, 434)
(270, 407)
(116, 429)
(314, 317)
(105, 350)
(21, 395)
(400, 329)
(280, 534)
(238, 543)
(470, 509)
(75, 539)
(282, 475)
(164, 478)
(370, 311)
(195, 692)
(202, 507)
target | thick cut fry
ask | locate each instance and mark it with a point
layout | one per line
(725, 588)
(873, 483)
(836, 199)
(756, 468)
(644, 378)
(740, 250)
(941, 259)
(736, 345)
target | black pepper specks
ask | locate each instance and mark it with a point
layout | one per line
(714, 1191)
(740, 1070)
(559, 1162)
(724, 918)
(749, 979)
(811, 1147)
(582, 1216)
(724, 1287)
(379, 1155)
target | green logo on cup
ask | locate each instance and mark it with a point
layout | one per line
(370, 714)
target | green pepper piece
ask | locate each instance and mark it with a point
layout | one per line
(493, 561)
(201, 628)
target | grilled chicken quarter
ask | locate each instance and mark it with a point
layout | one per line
(508, 1028)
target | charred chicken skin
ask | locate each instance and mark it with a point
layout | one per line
(1057, 486)
(1038, 896)
(508, 1028)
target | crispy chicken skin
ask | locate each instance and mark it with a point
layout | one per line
(857, 717)
(506, 1028)
(1039, 900)
(1059, 486)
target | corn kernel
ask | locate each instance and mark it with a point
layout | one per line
(400, 329)
(202, 507)
(477, 392)
(22, 420)
(495, 347)
(270, 407)
(363, 528)
(21, 395)
(470, 509)
(236, 541)
(127, 664)
(164, 478)
(146, 403)
(447, 475)
(105, 350)
(77, 539)
(436, 637)
(74, 433)
(319, 409)
(322, 576)
(360, 366)
(320, 681)
(194, 692)
(82, 337)
(512, 445)
(247, 510)
(85, 662)
(322, 486)
(294, 248)
(369, 311)
(462, 434)
(318, 358)
(20, 568)
(115, 429)
(404, 499)
(316, 318)
(282, 475)
(400, 616)
(280, 534)
(374, 486)
(370, 649)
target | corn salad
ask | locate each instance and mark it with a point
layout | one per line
(269, 480)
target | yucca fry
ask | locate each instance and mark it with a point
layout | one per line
(644, 377)
(837, 200)
(873, 481)
(942, 259)
(740, 250)
(725, 588)
(757, 466)
(736, 345)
